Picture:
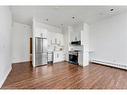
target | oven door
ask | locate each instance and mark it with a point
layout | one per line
(73, 59)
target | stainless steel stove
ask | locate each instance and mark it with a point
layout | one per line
(73, 57)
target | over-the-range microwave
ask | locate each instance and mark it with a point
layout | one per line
(76, 43)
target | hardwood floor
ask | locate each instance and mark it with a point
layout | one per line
(65, 76)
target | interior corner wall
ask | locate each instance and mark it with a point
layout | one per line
(108, 39)
(5, 44)
(21, 34)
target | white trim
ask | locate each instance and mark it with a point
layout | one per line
(6, 75)
(112, 64)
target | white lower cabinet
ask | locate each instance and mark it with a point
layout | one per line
(83, 58)
(86, 58)
(58, 56)
(80, 58)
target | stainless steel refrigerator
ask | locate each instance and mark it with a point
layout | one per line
(41, 55)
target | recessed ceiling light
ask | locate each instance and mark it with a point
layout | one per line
(47, 19)
(111, 10)
(73, 17)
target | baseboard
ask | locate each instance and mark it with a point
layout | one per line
(59, 62)
(6, 75)
(112, 64)
(21, 62)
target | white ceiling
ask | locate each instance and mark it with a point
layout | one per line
(58, 15)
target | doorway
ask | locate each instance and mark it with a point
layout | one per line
(30, 49)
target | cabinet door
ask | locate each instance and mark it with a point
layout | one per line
(59, 37)
(44, 32)
(38, 32)
(56, 57)
(80, 59)
(49, 38)
(53, 38)
(61, 40)
(61, 56)
(77, 36)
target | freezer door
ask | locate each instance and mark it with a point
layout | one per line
(40, 51)
(44, 58)
(41, 59)
(38, 45)
(45, 45)
(38, 59)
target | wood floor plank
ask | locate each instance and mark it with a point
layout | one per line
(65, 76)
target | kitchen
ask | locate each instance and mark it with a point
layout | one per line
(52, 45)
(77, 46)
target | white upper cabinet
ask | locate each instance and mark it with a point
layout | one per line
(75, 33)
(49, 37)
(75, 36)
(59, 37)
(72, 36)
(44, 33)
(61, 40)
(40, 32)
(55, 38)
(80, 33)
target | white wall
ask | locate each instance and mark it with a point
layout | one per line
(5, 43)
(108, 40)
(21, 34)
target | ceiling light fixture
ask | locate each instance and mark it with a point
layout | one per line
(47, 19)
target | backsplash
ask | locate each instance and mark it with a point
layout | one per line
(55, 48)
(71, 48)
